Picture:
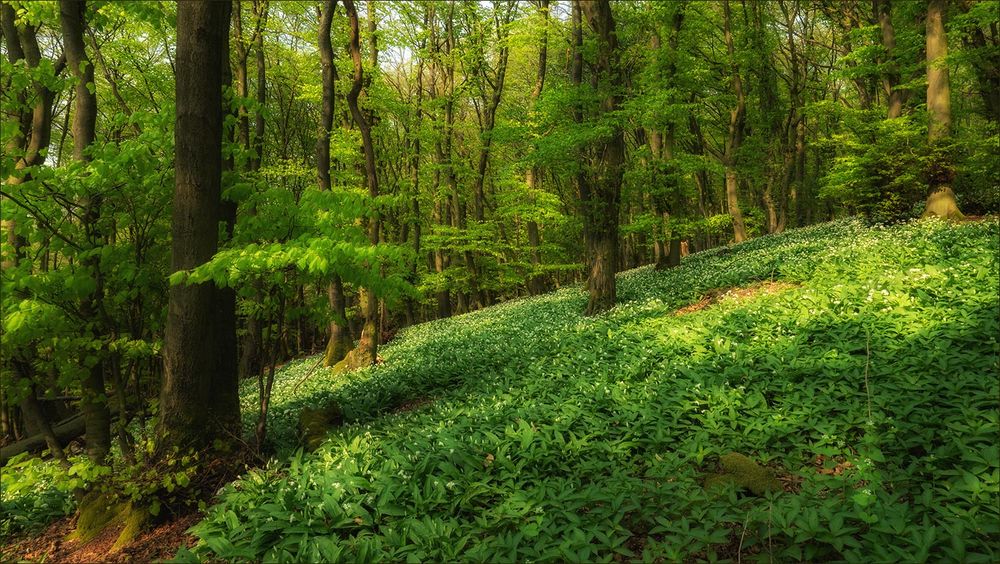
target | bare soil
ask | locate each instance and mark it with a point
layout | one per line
(50, 545)
(735, 293)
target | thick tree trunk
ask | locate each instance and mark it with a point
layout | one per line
(225, 304)
(603, 208)
(941, 199)
(675, 252)
(198, 403)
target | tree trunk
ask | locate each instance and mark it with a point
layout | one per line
(340, 340)
(602, 208)
(737, 118)
(225, 303)
(93, 400)
(415, 131)
(890, 78)
(987, 67)
(242, 82)
(582, 177)
(198, 403)
(536, 282)
(260, 8)
(941, 199)
(443, 65)
(34, 127)
(327, 110)
(367, 350)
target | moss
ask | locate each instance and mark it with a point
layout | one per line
(941, 203)
(357, 358)
(135, 519)
(743, 472)
(336, 350)
(316, 422)
(716, 482)
(97, 511)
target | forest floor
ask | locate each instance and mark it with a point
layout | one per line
(51, 545)
(827, 393)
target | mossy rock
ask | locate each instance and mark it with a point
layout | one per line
(716, 482)
(741, 471)
(96, 512)
(315, 423)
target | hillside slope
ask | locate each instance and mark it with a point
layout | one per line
(866, 381)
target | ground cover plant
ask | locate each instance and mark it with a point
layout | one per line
(33, 492)
(865, 384)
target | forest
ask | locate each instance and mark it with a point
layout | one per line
(500, 280)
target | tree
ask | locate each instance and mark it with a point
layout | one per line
(367, 350)
(601, 203)
(891, 79)
(32, 135)
(339, 343)
(198, 397)
(941, 199)
(536, 284)
(93, 402)
(737, 121)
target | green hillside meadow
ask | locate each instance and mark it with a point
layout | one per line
(858, 365)
(853, 371)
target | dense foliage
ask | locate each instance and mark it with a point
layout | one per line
(526, 431)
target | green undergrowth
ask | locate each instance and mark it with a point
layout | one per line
(868, 388)
(33, 493)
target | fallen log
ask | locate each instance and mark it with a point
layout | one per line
(65, 430)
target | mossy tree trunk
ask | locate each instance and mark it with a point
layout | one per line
(940, 199)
